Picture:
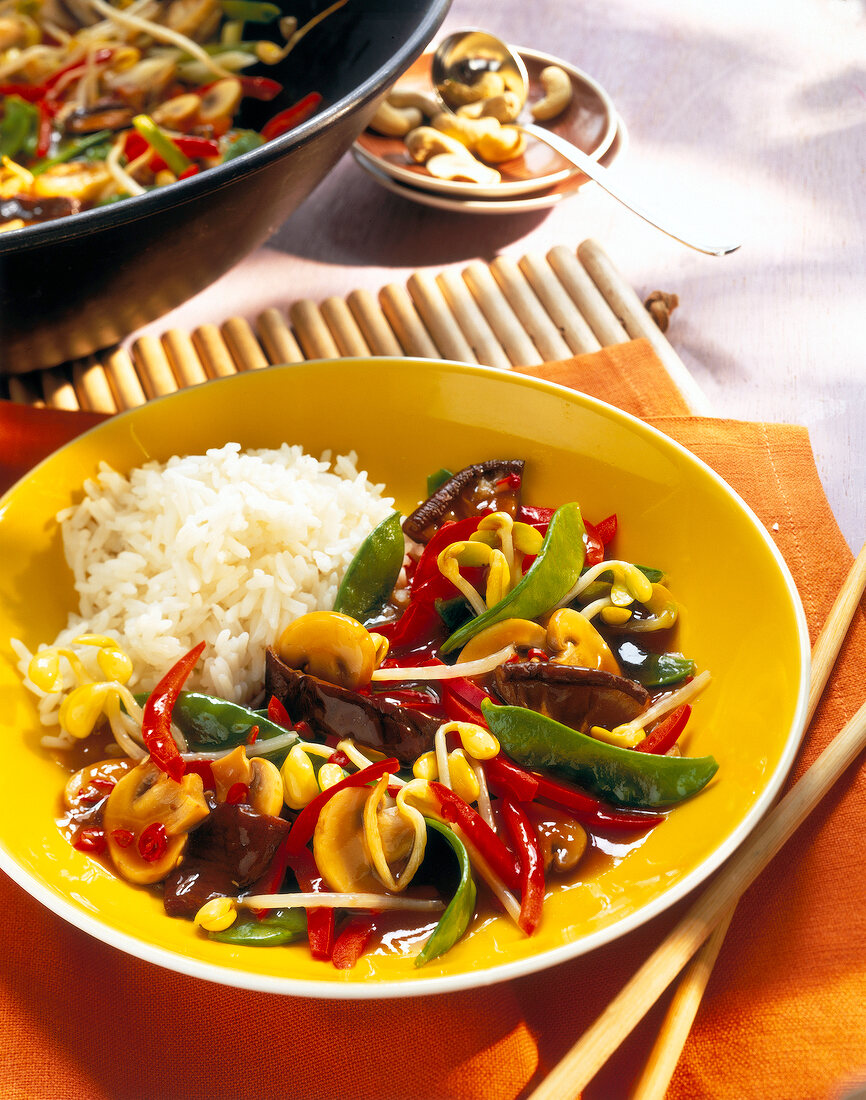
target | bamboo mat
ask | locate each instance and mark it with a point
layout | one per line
(508, 313)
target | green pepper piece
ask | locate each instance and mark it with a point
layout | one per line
(19, 122)
(278, 927)
(552, 575)
(373, 571)
(639, 779)
(74, 150)
(250, 11)
(652, 669)
(437, 480)
(455, 920)
(244, 143)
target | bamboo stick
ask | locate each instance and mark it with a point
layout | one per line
(277, 338)
(500, 316)
(524, 301)
(243, 345)
(211, 347)
(485, 347)
(344, 328)
(23, 391)
(154, 368)
(188, 368)
(92, 387)
(640, 993)
(440, 321)
(373, 324)
(313, 334)
(403, 318)
(683, 1008)
(123, 379)
(586, 296)
(568, 320)
(58, 391)
(630, 310)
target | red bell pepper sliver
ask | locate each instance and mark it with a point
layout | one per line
(417, 623)
(339, 757)
(509, 779)
(90, 840)
(585, 808)
(278, 713)
(458, 708)
(352, 942)
(237, 793)
(272, 879)
(667, 732)
(156, 721)
(594, 545)
(187, 173)
(320, 922)
(292, 116)
(204, 771)
(606, 529)
(32, 93)
(305, 822)
(253, 735)
(525, 840)
(448, 532)
(502, 862)
(253, 87)
(532, 514)
(43, 141)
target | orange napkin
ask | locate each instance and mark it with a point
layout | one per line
(785, 1012)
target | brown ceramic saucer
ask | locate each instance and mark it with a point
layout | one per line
(590, 122)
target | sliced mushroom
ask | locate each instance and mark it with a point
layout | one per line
(522, 633)
(563, 840)
(577, 697)
(340, 848)
(144, 797)
(107, 116)
(473, 490)
(330, 646)
(334, 711)
(573, 640)
(260, 777)
(104, 772)
(77, 180)
(220, 100)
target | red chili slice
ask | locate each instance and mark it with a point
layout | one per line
(278, 713)
(320, 922)
(156, 720)
(122, 837)
(90, 840)
(153, 842)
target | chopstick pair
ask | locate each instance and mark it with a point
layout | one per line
(705, 923)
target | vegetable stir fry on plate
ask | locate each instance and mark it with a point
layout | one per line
(104, 99)
(493, 690)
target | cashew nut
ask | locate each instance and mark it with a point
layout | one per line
(575, 641)
(425, 142)
(468, 131)
(177, 111)
(506, 143)
(488, 84)
(447, 166)
(395, 121)
(558, 91)
(220, 100)
(409, 97)
(504, 108)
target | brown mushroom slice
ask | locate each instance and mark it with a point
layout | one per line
(146, 796)
(335, 711)
(229, 851)
(260, 777)
(577, 697)
(340, 846)
(471, 491)
(106, 116)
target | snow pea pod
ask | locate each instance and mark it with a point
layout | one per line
(552, 575)
(652, 669)
(621, 775)
(278, 927)
(455, 920)
(373, 572)
(210, 723)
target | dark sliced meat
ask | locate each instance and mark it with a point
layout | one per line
(231, 849)
(576, 697)
(37, 209)
(470, 492)
(338, 712)
(105, 116)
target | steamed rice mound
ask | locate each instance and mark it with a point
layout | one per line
(226, 547)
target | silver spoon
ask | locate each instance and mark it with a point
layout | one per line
(464, 56)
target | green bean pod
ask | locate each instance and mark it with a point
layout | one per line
(278, 927)
(373, 572)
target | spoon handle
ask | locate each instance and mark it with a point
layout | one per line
(617, 190)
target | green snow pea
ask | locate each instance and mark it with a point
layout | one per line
(455, 920)
(247, 141)
(437, 480)
(373, 571)
(629, 778)
(209, 723)
(278, 927)
(552, 575)
(18, 126)
(652, 669)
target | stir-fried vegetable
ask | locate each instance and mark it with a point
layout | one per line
(484, 682)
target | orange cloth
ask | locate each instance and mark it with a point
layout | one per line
(785, 1012)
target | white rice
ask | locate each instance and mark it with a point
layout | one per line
(225, 548)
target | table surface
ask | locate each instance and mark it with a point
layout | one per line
(749, 116)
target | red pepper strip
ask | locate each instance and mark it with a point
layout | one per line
(320, 922)
(594, 545)
(339, 757)
(253, 87)
(305, 822)
(457, 707)
(292, 116)
(32, 93)
(417, 624)
(272, 879)
(503, 774)
(97, 58)
(511, 481)
(156, 721)
(196, 148)
(203, 769)
(193, 170)
(278, 714)
(457, 812)
(352, 942)
(537, 517)
(90, 840)
(406, 697)
(450, 531)
(43, 141)
(607, 528)
(525, 840)
(666, 734)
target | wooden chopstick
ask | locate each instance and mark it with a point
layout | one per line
(666, 1051)
(640, 993)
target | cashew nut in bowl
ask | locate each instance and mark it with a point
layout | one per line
(395, 121)
(506, 143)
(425, 142)
(558, 91)
(409, 97)
(447, 166)
(468, 131)
(487, 85)
(504, 108)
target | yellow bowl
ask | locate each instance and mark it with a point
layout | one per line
(405, 419)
